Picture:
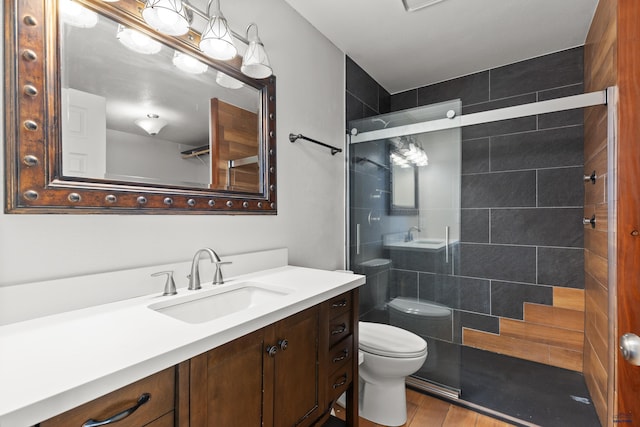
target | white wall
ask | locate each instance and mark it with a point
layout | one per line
(310, 220)
(131, 155)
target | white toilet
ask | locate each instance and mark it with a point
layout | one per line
(390, 354)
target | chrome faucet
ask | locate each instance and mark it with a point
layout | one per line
(194, 277)
(409, 236)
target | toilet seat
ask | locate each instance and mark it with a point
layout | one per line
(389, 341)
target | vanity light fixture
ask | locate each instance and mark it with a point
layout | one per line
(152, 124)
(174, 17)
(227, 81)
(137, 41)
(255, 62)
(188, 63)
(170, 17)
(77, 15)
(216, 40)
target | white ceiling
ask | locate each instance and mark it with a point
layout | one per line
(405, 50)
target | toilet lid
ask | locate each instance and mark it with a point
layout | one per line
(387, 340)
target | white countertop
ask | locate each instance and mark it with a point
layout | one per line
(51, 364)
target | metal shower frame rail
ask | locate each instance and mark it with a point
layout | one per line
(541, 107)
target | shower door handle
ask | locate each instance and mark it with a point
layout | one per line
(446, 244)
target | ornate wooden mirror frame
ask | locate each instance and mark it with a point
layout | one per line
(33, 173)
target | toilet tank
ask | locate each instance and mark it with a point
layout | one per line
(424, 318)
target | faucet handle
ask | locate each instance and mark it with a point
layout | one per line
(170, 284)
(217, 277)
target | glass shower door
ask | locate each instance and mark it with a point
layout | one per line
(404, 229)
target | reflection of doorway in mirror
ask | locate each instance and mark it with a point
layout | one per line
(234, 148)
(84, 130)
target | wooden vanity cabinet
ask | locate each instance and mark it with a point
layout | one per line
(157, 411)
(286, 374)
(270, 377)
(248, 383)
(341, 353)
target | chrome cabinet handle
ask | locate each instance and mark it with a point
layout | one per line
(340, 329)
(144, 398)
(345, 354)
(272, 350)
(341, 383)
(341, 303)
(283, 344)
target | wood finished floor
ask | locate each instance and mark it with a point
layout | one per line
(427, 411)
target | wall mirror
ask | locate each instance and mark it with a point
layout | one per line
(404, 190)
(95, 124)
(404, 158)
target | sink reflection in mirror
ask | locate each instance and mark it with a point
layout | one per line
(219, 302)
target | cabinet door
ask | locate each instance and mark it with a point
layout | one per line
(296, 370)
(226, 384)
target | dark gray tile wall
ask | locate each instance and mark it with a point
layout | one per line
(522, 192)
(364, 97)
(521, 196)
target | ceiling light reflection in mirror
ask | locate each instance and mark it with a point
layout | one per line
(77, 15)
(155, 102)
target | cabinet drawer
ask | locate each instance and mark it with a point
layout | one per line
(160, 387)
(340, 353)
(339, 328)
(167, 420)
(339, 304)
(339, 381)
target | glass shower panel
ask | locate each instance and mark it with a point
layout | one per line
(404, 232)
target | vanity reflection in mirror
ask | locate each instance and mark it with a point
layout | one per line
(133, 119)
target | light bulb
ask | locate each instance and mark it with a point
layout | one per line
(167, 16)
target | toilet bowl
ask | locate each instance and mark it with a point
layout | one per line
(390, 354)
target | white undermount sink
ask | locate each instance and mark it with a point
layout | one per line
(203, 306)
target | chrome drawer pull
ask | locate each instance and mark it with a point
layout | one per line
(341, 303)
(345, 354)
(144, 398)
(340, 329)
(341, 383)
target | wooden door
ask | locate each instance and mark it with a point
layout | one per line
(628, 207)
(234, 141)
(296, 370)
(227, 382)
